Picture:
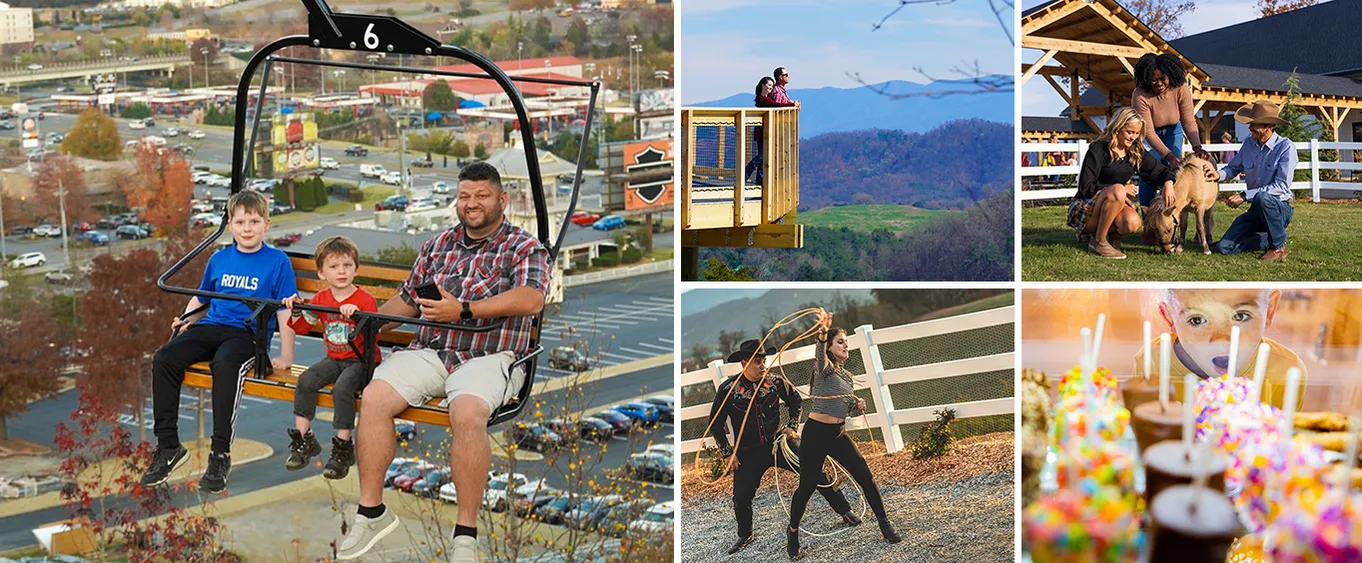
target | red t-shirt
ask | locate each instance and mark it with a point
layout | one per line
(337, 329)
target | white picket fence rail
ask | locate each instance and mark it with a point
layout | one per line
(866, 341)
(1080, 148)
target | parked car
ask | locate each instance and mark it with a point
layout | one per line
(552, 512)
(7, 125)
(524, 505)
(171, 132)
(393, 203)
(440, 187)
(651, 466)
(407, 478)
(55, 138)
(420, 203)
(532, 436)
(666, 449)
(206, 219)
(495, 496)
(184, 149)
(600, 429)
(47, 231)
(642, 414)
(356, 150)
(423, 162)
(80, 227)
(399, 467)
(328, 163)
(622, 424)
(405, 429)
(28, 260)
(665, 408)
(287, 240)
(96, 238)
(137, 124)
(277, 208)
(391, 178)
(568, 430)
(568, 358)
(196, 134)
(659, 519)
(608, 223)
(110, 222)
(35, 66)
(372, 170)
(262, 184)
(429, 485)
(133, 232)
(590, 511)
(584, 218)
(615, 521)
(20, 230)
(59, 276)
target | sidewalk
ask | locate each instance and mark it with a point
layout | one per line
(108, 471)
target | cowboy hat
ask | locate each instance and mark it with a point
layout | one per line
(1261, 112)
(748, 349)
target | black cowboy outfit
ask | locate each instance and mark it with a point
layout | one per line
(755, 450)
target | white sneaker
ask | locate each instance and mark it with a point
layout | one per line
(464, 550)
(364, 533)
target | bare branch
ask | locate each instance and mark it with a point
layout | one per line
(998, 7)
(977, 82)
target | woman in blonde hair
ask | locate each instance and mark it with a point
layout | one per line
(1101, 212)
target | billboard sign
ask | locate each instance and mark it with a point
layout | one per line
(648, 159)
(294, 143)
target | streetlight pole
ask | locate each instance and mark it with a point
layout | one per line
(631, 39)
(206, 83)
(61, 199)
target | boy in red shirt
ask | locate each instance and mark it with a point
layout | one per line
(337, 262)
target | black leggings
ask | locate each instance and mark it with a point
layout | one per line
(822, 440)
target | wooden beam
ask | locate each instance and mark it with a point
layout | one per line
(761, 236)
(1082, 47)
(1197, 106)
(1045, 58)
(1059, 89)
(1093, 125)
(1046, 70)
(1036, 22)
(687, 166)
(1074, 111)
(739, 163)
(1206, 135)
(1126, 63)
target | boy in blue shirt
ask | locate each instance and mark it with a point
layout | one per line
(221, 335)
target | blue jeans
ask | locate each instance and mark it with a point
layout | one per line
(1262, 227)
(1172, 137)
(755, 163)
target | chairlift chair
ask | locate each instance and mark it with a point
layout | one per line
(376, 34)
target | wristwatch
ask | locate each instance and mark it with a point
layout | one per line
(467, 314)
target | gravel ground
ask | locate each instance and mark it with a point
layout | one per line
(970, 520)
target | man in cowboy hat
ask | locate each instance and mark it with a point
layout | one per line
(1268, 162)
(756, 432)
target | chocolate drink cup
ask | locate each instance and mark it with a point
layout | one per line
(1153, 425)
(1137, 391)
(1166, 465)
(1184, 533)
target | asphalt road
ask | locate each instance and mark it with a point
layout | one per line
(648, 297)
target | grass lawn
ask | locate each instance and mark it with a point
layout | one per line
(871, 217)
(1323, 244)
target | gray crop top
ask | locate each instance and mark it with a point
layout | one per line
(830, 379)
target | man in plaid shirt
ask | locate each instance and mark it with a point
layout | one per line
(485, 269)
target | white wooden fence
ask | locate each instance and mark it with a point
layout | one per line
(866, 341)
(1080, 148)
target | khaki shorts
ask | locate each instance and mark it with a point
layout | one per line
(419, 375)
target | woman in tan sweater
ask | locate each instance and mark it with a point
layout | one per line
(1163, 100)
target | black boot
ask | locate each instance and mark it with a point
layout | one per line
(792, 543)
(851, 519)
(741, 543)
(302, 448)
(342, 457)
(888, 531)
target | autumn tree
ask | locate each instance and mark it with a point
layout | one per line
(1162, 16)
(1273, 7)
(30, 359)
(438, 97)
(95, 136)
(197, 48)
(164, 187)
(59, 173)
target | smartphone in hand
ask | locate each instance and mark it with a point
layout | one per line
(429, 291)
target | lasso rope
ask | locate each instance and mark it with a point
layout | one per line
(782, 445)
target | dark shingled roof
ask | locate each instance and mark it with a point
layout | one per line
(1055, 124)
(1322, 39)
(1275, 80)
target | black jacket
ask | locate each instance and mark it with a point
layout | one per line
(763, 423)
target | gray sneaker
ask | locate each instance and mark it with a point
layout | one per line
(464, 550)
(364, 533)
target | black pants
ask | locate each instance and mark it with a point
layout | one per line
(752, 465)
(820, 441)
(348, 377)
(231, 351)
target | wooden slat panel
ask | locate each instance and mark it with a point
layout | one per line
(199, 376)
(380, 293)
(366, 270)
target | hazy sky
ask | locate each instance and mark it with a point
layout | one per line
(727, 45)
(1039, 98)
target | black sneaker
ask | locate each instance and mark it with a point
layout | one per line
(163, 463)
(214, 480)
(342, 457)
(302, 448)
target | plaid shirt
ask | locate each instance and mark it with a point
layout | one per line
(779, 96)
(473, 270)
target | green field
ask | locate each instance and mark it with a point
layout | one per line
(1323, 244)
(871, 217)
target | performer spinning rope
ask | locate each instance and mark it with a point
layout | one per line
(824, 434)
(750, 402)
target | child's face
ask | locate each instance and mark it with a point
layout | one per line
(248, 228)
(1202, 319)
(338, 271)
